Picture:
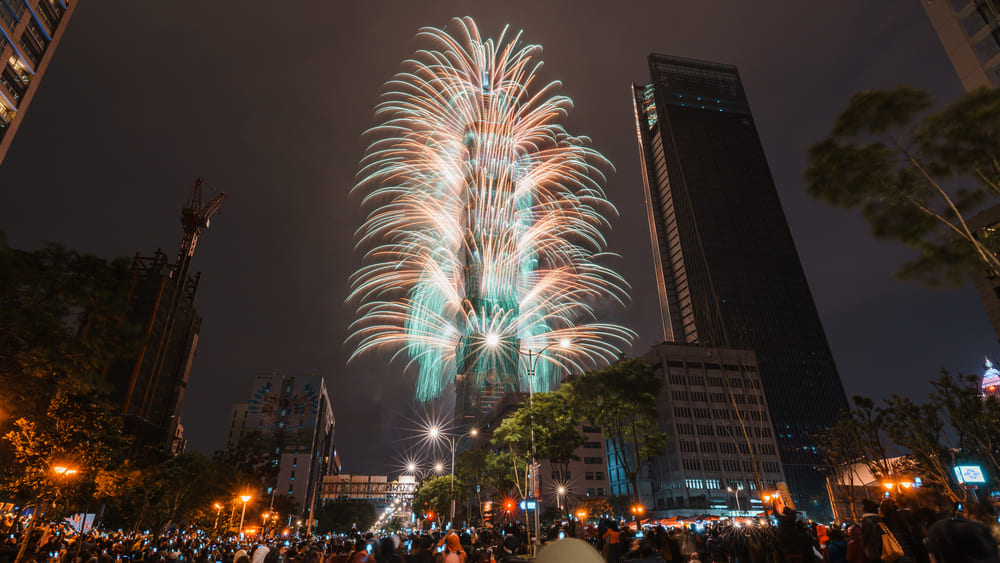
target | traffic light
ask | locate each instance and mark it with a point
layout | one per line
(508, 506)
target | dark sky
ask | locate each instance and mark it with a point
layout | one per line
(268, 100)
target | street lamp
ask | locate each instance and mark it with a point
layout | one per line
(492, 340)
(435, 434)
(736, 493)
(218, 511)
(245, 499)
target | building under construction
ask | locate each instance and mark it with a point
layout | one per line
(149, 387)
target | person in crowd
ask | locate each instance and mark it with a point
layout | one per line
(836, 546)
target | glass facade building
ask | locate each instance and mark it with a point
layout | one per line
(727, 270)
(30, 30)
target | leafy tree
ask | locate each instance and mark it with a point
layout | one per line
(61, 324)
(553, 420)
(436, 495)
(976, 420)
(596, 507)
(920, 429)
(621, 399)
(915, 175)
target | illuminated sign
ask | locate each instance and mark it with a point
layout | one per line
(971, 474)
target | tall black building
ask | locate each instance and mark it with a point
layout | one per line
(726, 266)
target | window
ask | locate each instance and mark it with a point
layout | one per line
(679, 395)
(602, 492)
(691, 465)
(676, 379)
(705, 430)
(682, 412)
(711, 465)
(700, 396)
(592, 445)
(727, 447)
(702, 413)
(685, 428)
(293, 475)
(693, 483)
(589, 476)
(289, 489)
(591, 429)
(708, 447)
(712, 484)
(599, 476)
(593, 460)
(591, 491)
(689, 447)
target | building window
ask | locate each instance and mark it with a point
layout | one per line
(601, 492)
(599, 476)
(591, 429)
(590, 491)
(712, 484)
(693, 483)
(593, 460)
(592, 445)
(589, 475)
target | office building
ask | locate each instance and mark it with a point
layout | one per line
(30, 30)
(726, 267)
(970, 34)
(294, 418)
(722, 454)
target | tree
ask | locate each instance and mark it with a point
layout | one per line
(921, 430)
(976, 420)
(436, 495)
(543, 428)
(622, 400)
(914, 175)
(61, 325)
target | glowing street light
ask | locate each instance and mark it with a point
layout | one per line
(492, 340)
(218, 511)
(245, 499)
(439, 467)
(64, 471)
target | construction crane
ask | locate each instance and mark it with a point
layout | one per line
(195, 218)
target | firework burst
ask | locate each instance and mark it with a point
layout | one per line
(484, 232)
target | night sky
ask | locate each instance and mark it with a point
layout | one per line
(268, 101)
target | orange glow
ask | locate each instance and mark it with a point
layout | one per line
(64, 471)
(638, 509)
(245, 498)
(906, 484)
(250, 531)
(430, 515)
(582, 515)
(217, 506)
(888, 485)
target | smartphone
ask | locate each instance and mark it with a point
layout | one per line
(368, 548)
(287, 543)
(562, 535)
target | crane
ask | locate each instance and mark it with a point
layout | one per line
(195, 218)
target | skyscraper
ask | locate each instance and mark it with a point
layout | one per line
(970, 34)
(726, 267)
(30, 30)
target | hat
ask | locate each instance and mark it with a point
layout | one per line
(511, 542)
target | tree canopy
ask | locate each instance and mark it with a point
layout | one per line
(622, 400)
(916, 175)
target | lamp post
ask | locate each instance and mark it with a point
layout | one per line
(218, 511)
(245, 499)
(493, 340)
(435, 433)
(736, 493)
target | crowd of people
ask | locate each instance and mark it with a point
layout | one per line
(903, 530)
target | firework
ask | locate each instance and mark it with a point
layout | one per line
(484, 233)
